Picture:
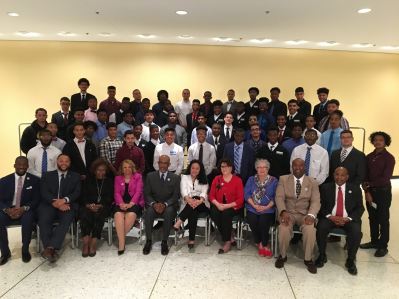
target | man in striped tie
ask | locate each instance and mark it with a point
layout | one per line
(341, 207)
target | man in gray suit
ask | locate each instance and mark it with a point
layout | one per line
(161, 192)
(298, 202)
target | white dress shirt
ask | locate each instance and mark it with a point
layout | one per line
(174, 152)
(272, 145)
(183, 108)
(145, 134)
(187, 188)
(334, 210)
(230, 131)
(319, 161)
(35, 156)
(81, 146)
(208, 155)
(194, 134)
(14, 200)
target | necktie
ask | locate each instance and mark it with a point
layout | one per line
(271, 148)
(298, 188)
(60, 188)
(237, 159)
(83, 97)
(228, 133)
(340, 203)
(163, 177)
(343, 155)
(65, 115)
(216, 143)
(330, 142)
(307, 161)
(44, 160)
(19, 193)
(201, 153)
(280, 135)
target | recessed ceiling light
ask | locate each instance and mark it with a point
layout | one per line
(105, 34)
(13, 14)
(260, 40)
(364, 10)
(391, 48)
(363, 45)
(146, 35)
(28, 34)
(296, 42)
(223, 39)
(66, 33)
(328, 44)
(185, 36)
(181, 12)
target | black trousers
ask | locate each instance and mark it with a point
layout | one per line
(26, 220)
(353, 231)
(192, 215)
(48, 215)
(91, 223)
(260, 226)
(168, 217)
(223, 221)
(379, 218)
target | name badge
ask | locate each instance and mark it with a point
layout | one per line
(28, 188)
(296, 120)
(172, 153)
(279, 153)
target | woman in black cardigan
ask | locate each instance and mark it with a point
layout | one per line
(96, 201)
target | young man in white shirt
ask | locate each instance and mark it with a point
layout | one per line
(43, 157)
(202, 151)
(184, 107)
(227, 130)
(172, 150)
(201, 119)
(149, 120)
(315, 157)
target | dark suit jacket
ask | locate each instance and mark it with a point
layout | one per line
(190, 126)
(353, 201)
(77, 165)
(279, 108)
(76, 101)
(224, 136)
(279, 160)
(319, 114)
(58, 119)
(50, 184)
(148, 149)
(247, 160)
(242, 122)
(305, 108)
(211, 120)
(252, 110)
(157, 191)
(232, 107)
(355, 163)
(30, 191)
(219, 152)
(298, 119)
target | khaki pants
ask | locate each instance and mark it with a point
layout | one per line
(285, 234)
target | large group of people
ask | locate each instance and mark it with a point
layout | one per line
(262, 161)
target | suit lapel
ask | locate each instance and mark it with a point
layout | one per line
(290, 188)
(78, 152)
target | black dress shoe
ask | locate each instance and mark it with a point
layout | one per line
(120, 252)
(368, 245)
(280, 262)
(381, 252)
(164, 248)
(311, 266)
(26, 257)
(147, 247)
(4, 258)
(321, 260)
(351, 266)
(190, 246)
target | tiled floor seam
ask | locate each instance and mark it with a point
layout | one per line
(288, 279)
(159, 273)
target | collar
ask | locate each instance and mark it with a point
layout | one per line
(79, 141)
(22, 176)
(269, 144)
(348, 149)
(293, 115)
(62, 172)
(282, 129)
(300, 179)
(239, 145)
(240, 115)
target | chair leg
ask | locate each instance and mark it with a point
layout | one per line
(206, 231)
(77, 233)
(141, 231)
(109, 231)
(272, 239)
(38, 243)
(72, 235)
(276, 242)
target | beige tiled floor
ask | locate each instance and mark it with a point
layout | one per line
(202, 273)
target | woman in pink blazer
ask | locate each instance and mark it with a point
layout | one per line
(129, 200)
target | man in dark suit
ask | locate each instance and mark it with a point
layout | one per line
(19, 197)
(252, 107)
(349, 157)
(276, 154)
(63, 118)
(294, 117)
(342, 207)
(241, 154)
(218, 142)
(81, 151)
(216, 116)
(161, 192)
(60, 190)
(230, 105)
(275, 106)
(80, 99)
(240, 117)
(305, 108)
(227, 129)
(192, 120)
(320, 110)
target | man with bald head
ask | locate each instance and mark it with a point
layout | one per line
(341, 207)
(298, 202)
(19, 197)
(161, 192)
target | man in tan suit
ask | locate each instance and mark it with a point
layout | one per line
(298, 202)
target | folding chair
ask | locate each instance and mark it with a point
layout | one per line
(72, 228)
(203, 216)
(108, 224)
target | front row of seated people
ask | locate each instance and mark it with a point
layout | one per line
(55, 201)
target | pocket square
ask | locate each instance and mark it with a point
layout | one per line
(29, 187)
(350, 191)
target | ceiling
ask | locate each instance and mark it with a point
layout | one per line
(313, 21)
